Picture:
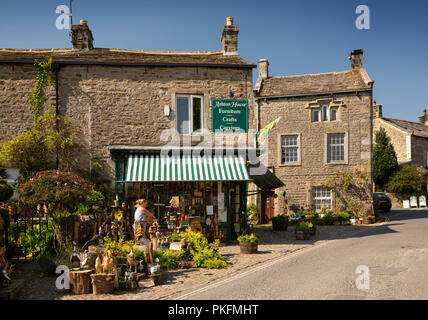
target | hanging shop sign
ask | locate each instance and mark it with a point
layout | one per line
(229, 115)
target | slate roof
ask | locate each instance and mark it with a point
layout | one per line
(117, 56)
(415, 128)
(349, 80)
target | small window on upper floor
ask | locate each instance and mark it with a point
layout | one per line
(189, 114)
(316, 115)
(333, 114)
(324, 113)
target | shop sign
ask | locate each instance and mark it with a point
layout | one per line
(175, 246)
(229, 115)
(413, 202)
(422, 201)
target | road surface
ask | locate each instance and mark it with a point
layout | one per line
(392, 261)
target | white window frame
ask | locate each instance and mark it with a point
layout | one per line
(298, 161)
(313, 115)
(190, 105)
(327, 199)
(337, 113)
(324, 107)
(345, 149)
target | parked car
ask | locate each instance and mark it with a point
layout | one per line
(382, 202)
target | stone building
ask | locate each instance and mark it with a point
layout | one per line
(325, 127)
(122, 100)
(410, 139)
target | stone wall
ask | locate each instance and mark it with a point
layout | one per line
(397, 137)
(354, 118)
(118, 105)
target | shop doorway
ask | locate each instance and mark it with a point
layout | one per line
(267, 206)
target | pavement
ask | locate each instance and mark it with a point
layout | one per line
(383, 262)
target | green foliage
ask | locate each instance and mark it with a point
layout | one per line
(405, 182)
(37, 97)
(174, 237)
(353, 191)
(303, 226)
(248, 238)
(204, 254)
(120, 249)
(59, 190)
(281, 217)
(384, 158)
(6, 191)
(36, 239)
(252, 211)
(168, 258)
(37, 148)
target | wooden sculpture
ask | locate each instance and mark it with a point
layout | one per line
(98, 264)
(131, 259)
(5, 269)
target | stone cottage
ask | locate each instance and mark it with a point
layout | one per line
(122, 100)
(410, 139)
(325, 126)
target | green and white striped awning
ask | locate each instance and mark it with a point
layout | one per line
(153, 168)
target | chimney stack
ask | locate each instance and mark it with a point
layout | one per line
(377, 110)
(356, 58)
(263, 66)
(81, 37)
(424, 118)
(229, 38)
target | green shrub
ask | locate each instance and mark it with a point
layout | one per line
(248, 238)
(281, 217)
(168, 258)
(252, 211)
(303, 226)
(6, 191)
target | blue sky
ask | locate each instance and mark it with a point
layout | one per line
(297, 37)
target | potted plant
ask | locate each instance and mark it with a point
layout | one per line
(368, 220)
(248, 243)
(280, 222)
(302, 230)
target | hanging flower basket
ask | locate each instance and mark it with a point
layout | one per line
(102, 283)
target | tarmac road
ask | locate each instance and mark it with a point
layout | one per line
(396, 254)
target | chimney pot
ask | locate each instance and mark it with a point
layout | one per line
(229, 38)
(81, 36)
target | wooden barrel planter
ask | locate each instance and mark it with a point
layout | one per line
(102, 283)
(278, 225)
(248, 247)
(302, 235)
(313, 230)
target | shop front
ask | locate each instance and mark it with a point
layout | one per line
(207, 193)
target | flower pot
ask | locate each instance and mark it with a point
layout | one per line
(313, 230)
(279, 225)
(302, 235)
(248, 247)
(368, 220)
(360, 221)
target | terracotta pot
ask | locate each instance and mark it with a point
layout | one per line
(279, 225)
(302, 235)
(360, 221)
(368, 220)
(248, 247)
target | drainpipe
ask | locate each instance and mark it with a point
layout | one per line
(56, 68)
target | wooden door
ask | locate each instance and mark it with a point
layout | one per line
(267, 206)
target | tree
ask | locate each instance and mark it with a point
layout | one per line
(384, 159)
(405, 182)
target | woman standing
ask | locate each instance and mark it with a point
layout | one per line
(141, 216)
